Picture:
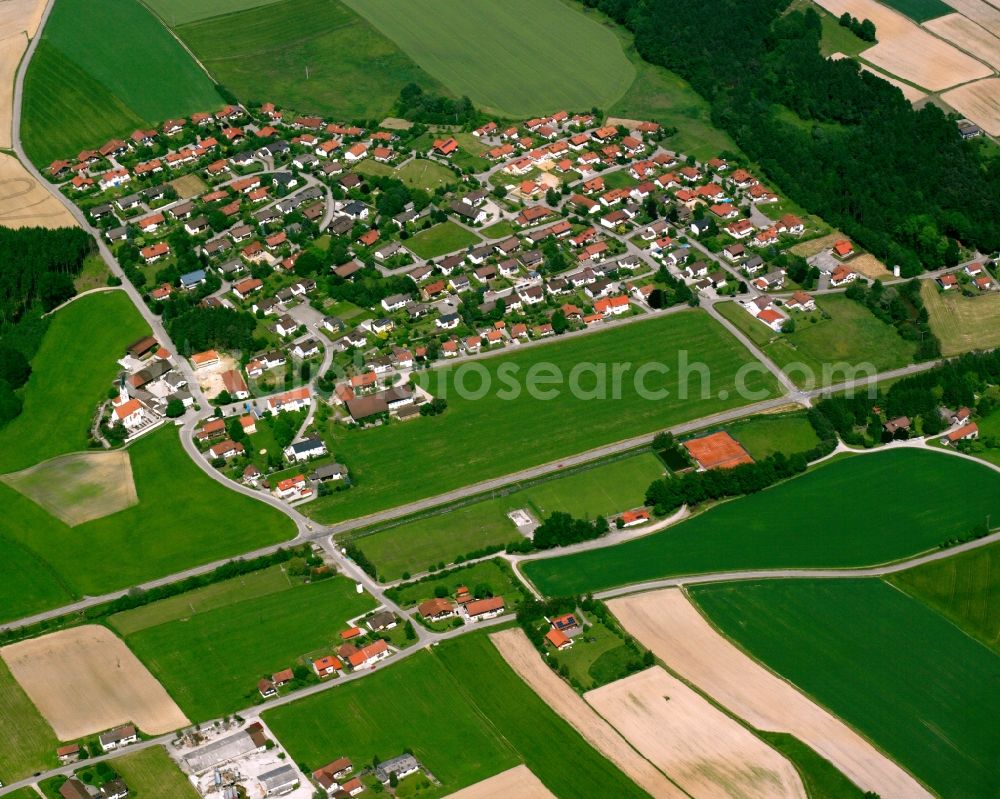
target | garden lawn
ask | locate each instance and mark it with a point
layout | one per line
(597, 644)
(142, 66)
(211, 662)
(494, 574)
(30, 744)
(603, 490)
(22, 793)
(964, 588)
(504, 55)
(888, 506)
(767, 434)
(201, 600)
(962, 323)
(429, 715)
(263, 53)
(847, 333)
(441, 239)
(151, 774)
(904, 676)
(183, 519)
(71, 373)
(476, 439)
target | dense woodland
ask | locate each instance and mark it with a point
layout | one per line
(841, 142)
(38, 268)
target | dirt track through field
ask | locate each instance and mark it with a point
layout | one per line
(514, 783)
(668, 624)
(710, 755)
(980, 102)
(908, 51)
(968, 36)
(521, 656)
(80, 487)
(85, 680)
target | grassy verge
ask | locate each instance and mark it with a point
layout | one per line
(767, 434)
(822, 779)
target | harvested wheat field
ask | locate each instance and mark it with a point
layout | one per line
(188, 186)
(24, 202)
(521, 656)
(962, 323)
(80, 487)
(514, 783)
(981, 12)
(84, 680)
(967, 35)
(980, 102)
(18, 22)
(708, 754)
(668, 624)
(908, 51)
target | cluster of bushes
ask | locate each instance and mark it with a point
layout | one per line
(863, 29)
(14, 373)
(902, 307)
(692, 488)
(194, 328)
(561, 529)
(417, 105)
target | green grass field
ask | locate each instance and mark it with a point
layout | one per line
(441, 239)
(210, 662)
(964, 588)
(151, 774)
(888, 507)
(463, 712)
(145, 541)
(822, 779)
(602, 490)
(493, 436)
(766, 434)
(418, 174)
(486, 51)
(71, 374)
(179, 12)
(905, 677)
(263, 53)
(22, 793)
(31, 744)
(920, 10)
(268, 581)
(56, 87)
(132, 66)
(848, 333)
